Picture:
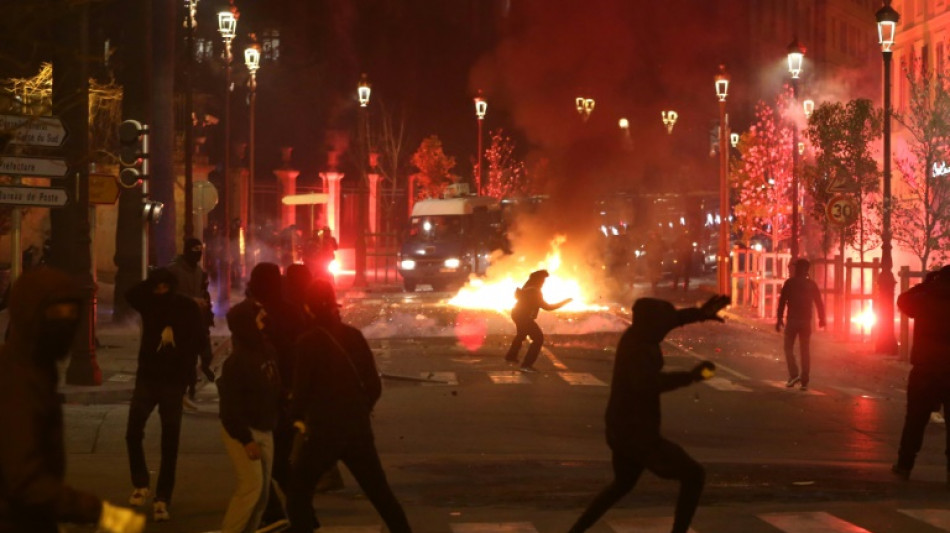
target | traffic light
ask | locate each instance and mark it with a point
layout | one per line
(133, 152)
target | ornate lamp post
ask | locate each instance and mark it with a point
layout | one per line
(669, 120)
(886, 342)
(191, 8)
(481, 106)
(362, 93)
(796, 54)
(252, 60)
(227, 27)
(722, 267)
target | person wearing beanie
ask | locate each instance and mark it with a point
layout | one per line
(529, 301)
(172, 333)
(799, 293)
(633, 410)
(192, 281)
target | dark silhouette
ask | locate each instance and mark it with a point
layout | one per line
(928, 384)
(172, 332)
(799, 293)
(655, 248)
(336, 385)
(322, 252)
(530, 301)
(684, 261)
(633, 411)
(44, 315)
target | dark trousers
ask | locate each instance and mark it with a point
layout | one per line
(668, 461)
(526, 328)
(803, 332)
(283, 441)
(926, 389)
(144, 399)
(355, 447)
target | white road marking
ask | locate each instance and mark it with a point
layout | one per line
(440, 378)
(938, 518)
(819, 522)
(493, 527)
(508, 377)
(581, 378)
(781, 385)
(642, 525)
(724, 384)
(695, 355)
(550, 355)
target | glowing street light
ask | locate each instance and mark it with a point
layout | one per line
(734, 139)
(669, 120)
(796, 54)
(252, 60)
(227, 27)
(722, 268)
(808, 106)
(481, 107)
(585, 106)
(363, 91)
(624, 124)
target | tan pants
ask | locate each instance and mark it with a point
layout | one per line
(253, 483)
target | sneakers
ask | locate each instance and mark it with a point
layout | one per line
(188, 403)
(273, 527)
(160, 512)
(791, 382)
(901, 472)
(138, 497)
(529, 370)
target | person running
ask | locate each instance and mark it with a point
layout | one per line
(336, 386)
(530, 301)
(799, 293)
(633, 410)
(44, 317)
(172, 333)
(192, 281)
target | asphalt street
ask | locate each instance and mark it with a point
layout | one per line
(471, 445)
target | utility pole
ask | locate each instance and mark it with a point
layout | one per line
(161, 123)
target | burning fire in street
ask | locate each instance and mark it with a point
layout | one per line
(497, 291)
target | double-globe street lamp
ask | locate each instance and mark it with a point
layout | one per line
(722, 267)
(669, 120)
(227, 27)
(886, 343)
(252, 60)
(584, 106)
(481, 107)
(796, 55)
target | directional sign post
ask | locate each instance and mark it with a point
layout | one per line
(45, 167)
(34, 131)
(34, 196)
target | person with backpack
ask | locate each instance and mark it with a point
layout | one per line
(529, 301)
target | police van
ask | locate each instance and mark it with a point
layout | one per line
(449, 239)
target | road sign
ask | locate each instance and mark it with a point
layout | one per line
(46, 167)
(35, 196)
(842, 210)
(103, 189)
(34, 131)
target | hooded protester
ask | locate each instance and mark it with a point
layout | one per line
(530, 301)
(249, 391)
(799, 293)
(193, 283)
(172, 333)
(928, 384)
(336, 386)
(44, 315)
(633, 410)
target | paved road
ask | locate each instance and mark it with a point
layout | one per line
(472, 446)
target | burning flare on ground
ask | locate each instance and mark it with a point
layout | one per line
(497, 291)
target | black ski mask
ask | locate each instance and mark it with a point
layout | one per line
(192, 251)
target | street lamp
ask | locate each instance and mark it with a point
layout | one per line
(191, 9)
(481, 106)
(734, 139)
(886, 343)
(796, 53)
(808, 106)
(722, 268)
(252, 60)
(585, 106)
(624, 124)
(669, 120)
(227, 27)
(362, 93)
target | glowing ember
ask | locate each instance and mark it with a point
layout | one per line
(498, 291)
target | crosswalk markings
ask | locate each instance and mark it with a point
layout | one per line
(493, 527)
(697, 356)
(819, 522)
(581, 378)
(550, 355)
(660, 524)
(938, 518)
(508, 377)
(781, 385)
(440, 378)
(724, 384)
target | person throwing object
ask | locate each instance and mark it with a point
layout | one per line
(530, 301)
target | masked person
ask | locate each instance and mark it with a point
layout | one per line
(530, 301)
(633, 410)
(250, 395)
(172, 332)
(799, 293)
(44, 315)
(928, 384)
(336, 385)
(193, 283)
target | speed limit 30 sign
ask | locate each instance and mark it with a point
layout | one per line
(842, 210)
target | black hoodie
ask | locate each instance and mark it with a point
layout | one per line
(633, 411)
(33, 496)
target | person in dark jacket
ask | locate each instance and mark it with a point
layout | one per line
(799, 293)
(250, 395)
(336, 386)
(633, 410)
(172, 332)
(193, 283)
(44, 315)
(928, 384)
(530, 301)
